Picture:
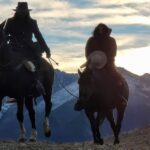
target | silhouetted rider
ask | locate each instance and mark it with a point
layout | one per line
(20, 30)
(101, 40)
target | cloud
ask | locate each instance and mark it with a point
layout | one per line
(118, 2)
(67, 24)
(127, 41)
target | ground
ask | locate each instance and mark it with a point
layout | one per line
(137, 139)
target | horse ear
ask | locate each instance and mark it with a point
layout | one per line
(79, 72)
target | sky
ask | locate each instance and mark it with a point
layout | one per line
(66, 26)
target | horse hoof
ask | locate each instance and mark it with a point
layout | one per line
(116, 142)
(22, 140)
(48, 133)
(99, 142)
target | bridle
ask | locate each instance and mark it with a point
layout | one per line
(60, 83)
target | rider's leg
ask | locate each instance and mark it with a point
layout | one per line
(37, 83)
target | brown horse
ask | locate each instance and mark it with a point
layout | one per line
(100, 92)
(17, 82)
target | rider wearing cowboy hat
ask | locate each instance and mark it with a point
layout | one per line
(20, 30)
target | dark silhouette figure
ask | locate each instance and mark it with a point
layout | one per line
(17, 82)
(102, 89)
(98, 93)
(19, 31)
(101, 41)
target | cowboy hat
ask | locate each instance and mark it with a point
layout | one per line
(22, 7)
(96, 60)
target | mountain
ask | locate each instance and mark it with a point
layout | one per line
(70, 126)
(137, 139)
(62, 78)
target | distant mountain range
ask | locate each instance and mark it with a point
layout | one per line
(70, 126)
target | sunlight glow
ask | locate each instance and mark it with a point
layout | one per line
(135, 60)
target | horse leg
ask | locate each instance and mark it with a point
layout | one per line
(48, 106)
(120, 115)
(20, 103)
(31, 111)
(91, 118)
(99, 120)
(110, 118)
(94, 127)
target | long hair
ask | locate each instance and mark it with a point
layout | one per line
(25, 16)
(101, 30)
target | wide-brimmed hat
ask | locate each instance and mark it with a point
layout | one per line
(22, 7)
(96, 60)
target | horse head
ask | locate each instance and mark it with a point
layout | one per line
(85, 88)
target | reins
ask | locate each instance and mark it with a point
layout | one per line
(61, 83)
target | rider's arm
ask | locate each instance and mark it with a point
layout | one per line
(40, 39)
(4, 28)
(6, 25)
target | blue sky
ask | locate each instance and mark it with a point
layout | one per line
(67, 24)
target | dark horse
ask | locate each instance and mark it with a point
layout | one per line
(100, 92)
(17, 82)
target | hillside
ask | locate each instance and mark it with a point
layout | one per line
(137, 139)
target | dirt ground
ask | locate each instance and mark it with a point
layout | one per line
(137, 139)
